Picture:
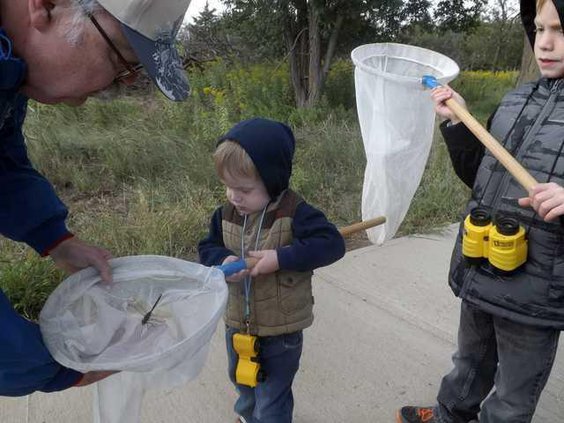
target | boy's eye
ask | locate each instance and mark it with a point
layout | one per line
(540, 29)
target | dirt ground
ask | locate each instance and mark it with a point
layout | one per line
(357, 240)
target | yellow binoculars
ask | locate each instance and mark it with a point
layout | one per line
(248, 371)
(503, 244)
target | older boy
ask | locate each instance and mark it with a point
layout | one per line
(510, 324)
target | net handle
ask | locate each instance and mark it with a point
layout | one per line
(498, 151)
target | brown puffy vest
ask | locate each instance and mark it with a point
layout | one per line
(280, 302)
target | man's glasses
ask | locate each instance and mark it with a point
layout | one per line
(130, 69)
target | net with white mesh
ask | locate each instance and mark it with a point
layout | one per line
(397, 121)
(89, 325)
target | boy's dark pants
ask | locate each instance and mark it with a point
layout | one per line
(493, 350)
(270, 401)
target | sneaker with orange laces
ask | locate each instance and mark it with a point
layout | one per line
(416, 415)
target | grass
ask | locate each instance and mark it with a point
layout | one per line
(138, 178)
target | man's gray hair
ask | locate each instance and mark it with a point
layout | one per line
(82, 8)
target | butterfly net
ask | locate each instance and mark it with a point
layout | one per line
(397, 120)
(153, 324)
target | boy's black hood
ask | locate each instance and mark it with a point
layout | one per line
(270, 145)
(528, 13)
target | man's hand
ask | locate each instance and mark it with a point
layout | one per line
(73, 254)
(546, 199)
(236, 277)
(267, 262)
(93, 377)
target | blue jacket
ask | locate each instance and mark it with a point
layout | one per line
(30, 212)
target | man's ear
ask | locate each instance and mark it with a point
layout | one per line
(40, 13)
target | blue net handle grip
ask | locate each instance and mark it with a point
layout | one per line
(429, 81)
(233, 267)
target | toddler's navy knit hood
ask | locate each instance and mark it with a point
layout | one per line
(270, 145)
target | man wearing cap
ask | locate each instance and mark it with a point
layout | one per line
(62, 51)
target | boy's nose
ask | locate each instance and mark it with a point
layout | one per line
(545, 41)
(234, 198)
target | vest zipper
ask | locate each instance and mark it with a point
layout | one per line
(248, 280)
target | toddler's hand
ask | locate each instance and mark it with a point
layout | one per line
(236, 277)
(267, 262)
(546, 199)
(442, 94)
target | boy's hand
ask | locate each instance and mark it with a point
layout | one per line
(546, 199)
(236, 277)
(267, 262)
(442, 94)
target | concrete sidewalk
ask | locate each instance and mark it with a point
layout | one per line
(383, 336)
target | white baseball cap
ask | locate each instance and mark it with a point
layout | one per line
(151, 27)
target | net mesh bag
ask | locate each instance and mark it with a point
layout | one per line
(397, 119)
(89, 325)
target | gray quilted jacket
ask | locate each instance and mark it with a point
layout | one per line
(530, 123)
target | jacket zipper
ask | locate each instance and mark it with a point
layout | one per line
(545, 111)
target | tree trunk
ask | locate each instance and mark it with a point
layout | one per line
(314, 73)
(295, 75)
(308, 71)
(529, 68)
(331, 49)
(317, 72)
(297, 44)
